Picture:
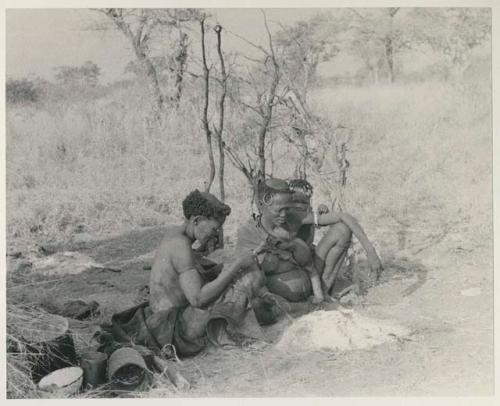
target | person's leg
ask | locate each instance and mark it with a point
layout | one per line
(194, 322)
(331, 252)
(333, 264)
(280, 307)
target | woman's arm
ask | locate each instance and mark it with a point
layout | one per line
(326, 219)
(332, 217)
(359, 233)
(316, 287)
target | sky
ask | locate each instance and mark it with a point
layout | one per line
(37, 40)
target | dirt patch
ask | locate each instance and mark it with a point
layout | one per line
(449, 350)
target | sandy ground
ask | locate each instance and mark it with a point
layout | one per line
(449, 352)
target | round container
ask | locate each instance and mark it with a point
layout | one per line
(49, 343)
(94, 366)
(147, 355)
(127, 370)
(63, 382)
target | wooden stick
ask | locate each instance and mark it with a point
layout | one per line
(173, 374)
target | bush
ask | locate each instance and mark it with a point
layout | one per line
(427, 164)
(21, 91)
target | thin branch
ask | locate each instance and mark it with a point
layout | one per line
(208, 133)
(220, 128)
(271, 47)
(249, 42)
(248, 106)
(238, 164)
(267, 109)
(251, 59)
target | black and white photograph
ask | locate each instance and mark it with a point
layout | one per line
(259, 202)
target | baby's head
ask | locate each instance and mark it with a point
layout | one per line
(282, 234)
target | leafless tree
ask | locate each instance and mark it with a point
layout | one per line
(141, 27)
(137, 28)
(454, 33)
(306, 44)
(204, 119)
(320, 145)
(220, 126)
(389, 42)
(263, 108)
(377, 36)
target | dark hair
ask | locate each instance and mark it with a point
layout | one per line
(266, 189)
(301, 186)
(204, 204)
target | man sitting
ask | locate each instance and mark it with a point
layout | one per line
(185, 307)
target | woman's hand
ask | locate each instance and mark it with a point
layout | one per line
(323, 209)
(245, 260)
(375, 263)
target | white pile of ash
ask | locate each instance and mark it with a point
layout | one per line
(340, 330)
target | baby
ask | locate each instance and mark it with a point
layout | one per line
(282, 240)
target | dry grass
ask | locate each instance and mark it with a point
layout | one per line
(19, 357)
(417, 151)
(421, 153)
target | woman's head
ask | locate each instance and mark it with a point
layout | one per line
(302, 190)
(273, 201)
(301, 202)
(205, 213)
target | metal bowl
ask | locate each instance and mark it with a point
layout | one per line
(63, 382)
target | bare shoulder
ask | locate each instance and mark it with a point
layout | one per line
(173, 242)
(176, 248)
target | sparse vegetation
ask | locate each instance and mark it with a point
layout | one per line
(22, 91)
(406, 151)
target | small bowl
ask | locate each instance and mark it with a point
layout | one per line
(63, 382)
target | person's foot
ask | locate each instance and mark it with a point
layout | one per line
(329, 299)
(328, 306)
(224, 339)
(354, 288)
(218, 335)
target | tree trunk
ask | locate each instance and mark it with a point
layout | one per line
(154, 84)
(268, 115)
(220, 129)
(389, 56)
(180, 60)
(375, 75)
(389, 44)
(267, 110)
(208, 133)
(220, 142)
(138, 43)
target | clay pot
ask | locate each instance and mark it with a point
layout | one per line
(94, 366)
(49, 345)
(127, 371)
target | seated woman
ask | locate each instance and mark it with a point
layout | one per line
(331, 251)
(284, 266)
(284, 207)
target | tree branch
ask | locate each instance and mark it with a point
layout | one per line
(220, 128)
(208, 133)
(249, 42)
